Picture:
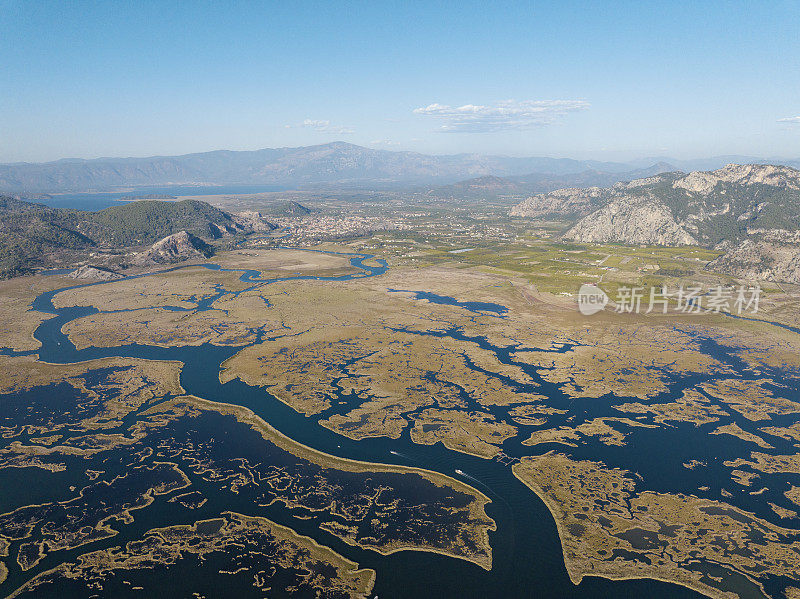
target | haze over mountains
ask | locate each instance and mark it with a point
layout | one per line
(334, 163)
(491, 186)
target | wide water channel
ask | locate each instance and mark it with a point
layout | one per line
(527, 552)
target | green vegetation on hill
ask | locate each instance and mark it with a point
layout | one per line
(32, 234)
(148, 221)
(29, 231)
(288, 208)
(732, 208)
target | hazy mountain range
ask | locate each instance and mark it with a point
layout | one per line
(491, 186)
(334, 163)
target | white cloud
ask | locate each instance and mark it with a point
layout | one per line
(795, 120)
(323, 126)
(314, 124)
(507, 115)
(326, 127)
(384, 142)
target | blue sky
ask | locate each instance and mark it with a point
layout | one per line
(603, 80)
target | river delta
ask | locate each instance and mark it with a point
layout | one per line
(332, 423)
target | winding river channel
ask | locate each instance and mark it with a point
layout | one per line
(527, 552)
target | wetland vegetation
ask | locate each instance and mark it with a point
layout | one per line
(164, 420)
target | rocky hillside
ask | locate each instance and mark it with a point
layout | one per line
(641, 220)
(760, 259)
(567, 203)
(750, 211)
(34, 235)
(729, 204)
(89, 272)
(177, 247)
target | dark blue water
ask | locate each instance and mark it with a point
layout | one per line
(446, 300)
(55, 271)
(98, 200)
(527, 552)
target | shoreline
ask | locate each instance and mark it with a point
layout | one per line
(272, 435)
(301, 541)
(576, 576)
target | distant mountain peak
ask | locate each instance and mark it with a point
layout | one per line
(333, 163)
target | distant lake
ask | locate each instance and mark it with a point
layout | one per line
(94, 201)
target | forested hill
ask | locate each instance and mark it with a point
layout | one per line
(148, 221)
(32, 235)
